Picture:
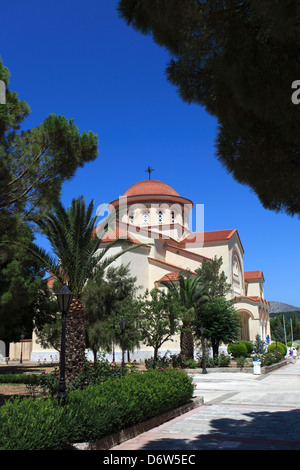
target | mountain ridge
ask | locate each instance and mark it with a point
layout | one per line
(281, 307)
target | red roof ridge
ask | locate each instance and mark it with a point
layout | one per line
(253, 298)
(212, 235)
(197, 255)
(248, 275)
(169, 264)
(169, 277)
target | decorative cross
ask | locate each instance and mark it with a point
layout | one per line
(149, 170)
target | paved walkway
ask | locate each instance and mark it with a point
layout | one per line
(241, 411)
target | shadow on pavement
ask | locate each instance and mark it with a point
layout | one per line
(277, 430)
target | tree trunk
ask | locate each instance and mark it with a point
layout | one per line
(187, 343)
(75, 338)
(215, 347)
(95, 355)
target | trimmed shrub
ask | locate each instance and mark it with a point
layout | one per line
(27, 379)
(237, 349)
(242, 348)
(98, 410)
(28, 424)
(248, 345)
(124, 402)
(280, 347)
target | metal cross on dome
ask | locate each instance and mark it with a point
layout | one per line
(149, 170)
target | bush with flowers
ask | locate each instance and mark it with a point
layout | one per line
(96, 372)
(160, 362)
(91, 373)
(270, 357)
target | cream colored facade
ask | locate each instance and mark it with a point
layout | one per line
(154, 215)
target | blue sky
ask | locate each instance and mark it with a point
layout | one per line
(80, 60)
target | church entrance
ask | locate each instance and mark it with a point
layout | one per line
(244, 333)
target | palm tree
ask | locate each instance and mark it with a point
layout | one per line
(78, 257)
(190, 293)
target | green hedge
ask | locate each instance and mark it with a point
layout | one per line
(237, 350)
(98, 410)
(280, 347)
(248, 345)
(27, 379)
(242, 348)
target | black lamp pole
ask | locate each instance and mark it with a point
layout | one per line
(64, 297)
(122, 324)
(21, 357)
(204, 371)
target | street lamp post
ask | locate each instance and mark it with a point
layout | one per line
(64, 297)
(122, 324)
(21, 357)
(204, 371)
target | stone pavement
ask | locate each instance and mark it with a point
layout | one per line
(241, 411)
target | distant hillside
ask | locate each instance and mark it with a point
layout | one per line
(279, 307)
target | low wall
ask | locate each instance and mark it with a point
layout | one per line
(249, 370)
(266, 369)
(15, 350)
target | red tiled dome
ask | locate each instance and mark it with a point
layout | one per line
(151, 190)
(150, 187)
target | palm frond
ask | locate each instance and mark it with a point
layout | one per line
(49, 262)
(80, 256)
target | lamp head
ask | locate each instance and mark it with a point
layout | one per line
(64, 297)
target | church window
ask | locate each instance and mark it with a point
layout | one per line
(145, 217)
(160, 217)
(236, 275)
(235, 267)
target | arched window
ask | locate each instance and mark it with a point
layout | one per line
(145, 217)
(236, 275)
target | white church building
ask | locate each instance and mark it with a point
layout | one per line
(153, 215)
